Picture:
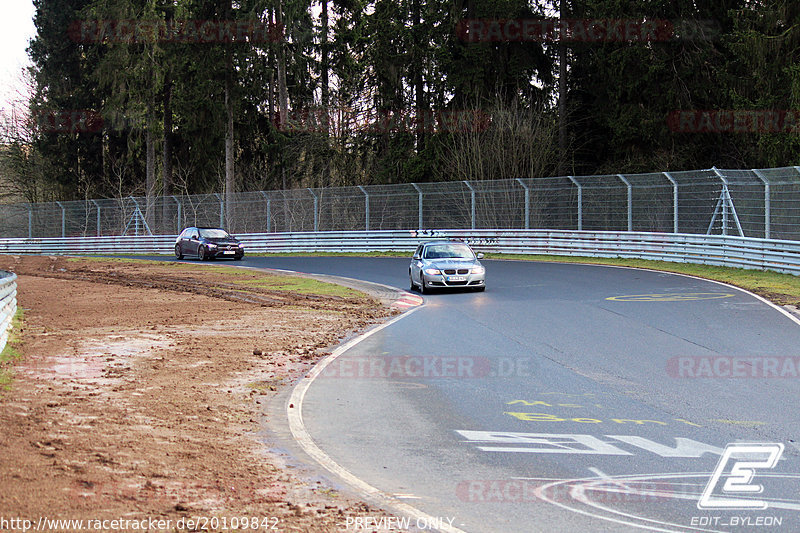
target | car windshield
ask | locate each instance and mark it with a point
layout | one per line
(214, 233)
(449, 251)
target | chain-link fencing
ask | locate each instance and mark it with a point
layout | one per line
(761, 203)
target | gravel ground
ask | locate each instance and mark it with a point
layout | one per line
(140, 396)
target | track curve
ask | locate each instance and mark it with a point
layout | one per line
(566, 397)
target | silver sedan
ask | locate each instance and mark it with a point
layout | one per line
(446, 264)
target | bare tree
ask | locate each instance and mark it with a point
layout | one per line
(510, 141)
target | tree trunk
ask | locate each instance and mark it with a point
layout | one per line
(324, 56)
(166, 163)
(418, 86)
(283, 94)
(325, 98)
(230, 182)
(283, 105)
(150, 180)
(562, 98)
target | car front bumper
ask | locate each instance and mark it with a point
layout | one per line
(224, 252)
(454, 281)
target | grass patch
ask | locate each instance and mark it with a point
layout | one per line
(330, 254)
(782, 289)
(10, 352)
(265, 385)
(301, 286)
(244, 277)
(77, 258)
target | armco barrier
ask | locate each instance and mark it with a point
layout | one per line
(719, 250)
(8, 304)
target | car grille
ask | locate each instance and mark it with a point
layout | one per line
(461, 271)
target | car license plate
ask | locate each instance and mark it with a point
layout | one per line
(231, 252)
(456, 278)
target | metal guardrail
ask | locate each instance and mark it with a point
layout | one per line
(8, 304)
(719, 250)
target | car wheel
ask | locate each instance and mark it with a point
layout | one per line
(178, 252)
(422, 287)
(201, 253)
(238, 257)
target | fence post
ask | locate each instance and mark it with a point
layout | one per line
(420, 204)
(527, 203)
(316, 209)
(269, 209)
(30, 221)
(366, 207)
(766, 202)
(179, 223)
(472, 203)
(580, 201)
(630, 201)
(98, 216)
(674, 202)
(63, 220)
(221, 210)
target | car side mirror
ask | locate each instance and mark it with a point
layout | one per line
(416, 257)
(479, 255)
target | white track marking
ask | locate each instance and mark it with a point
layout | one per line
(303, 438)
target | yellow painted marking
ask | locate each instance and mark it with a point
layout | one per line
(687, 422)
(567, 394)
(545, 404)
(639, 422)
(748, 423)
(670, 297)
(547, 417)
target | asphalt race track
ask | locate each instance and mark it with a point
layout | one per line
(569, 398)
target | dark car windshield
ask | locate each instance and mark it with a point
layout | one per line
(448, 251)
(214, 234)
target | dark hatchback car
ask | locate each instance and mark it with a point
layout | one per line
(208, 243)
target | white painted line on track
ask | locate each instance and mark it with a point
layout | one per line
(303, 438)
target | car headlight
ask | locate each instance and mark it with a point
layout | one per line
(211, 245)
(478, 270)
(432, 271)
(240, 245)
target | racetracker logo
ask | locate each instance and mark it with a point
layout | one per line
(599, 491)
(734, 121)
(320, 120)
(583, 30)
(136, 31)
(82, 121)
(427, 367)
(733, 367)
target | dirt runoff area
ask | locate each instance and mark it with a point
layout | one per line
(138, 400)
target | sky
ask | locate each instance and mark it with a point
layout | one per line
(16, 29)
